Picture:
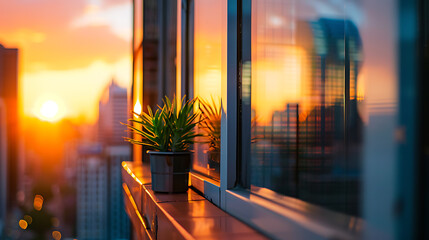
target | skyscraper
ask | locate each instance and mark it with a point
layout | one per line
(3, 166)
(113, 109)
(101, 212)
(118, 222)
(9, 92)
(92, 182)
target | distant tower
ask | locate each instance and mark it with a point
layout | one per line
(3, 167)
(9, 93)
(92, 202)
(113, 109)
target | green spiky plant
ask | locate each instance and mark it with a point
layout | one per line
(169, 129)
(210, 122)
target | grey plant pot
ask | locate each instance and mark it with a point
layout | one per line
(170, 171)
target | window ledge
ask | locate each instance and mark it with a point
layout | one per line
(176, 216)
(291, 217)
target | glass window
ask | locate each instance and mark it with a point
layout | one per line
(209, 68)
(307, 99)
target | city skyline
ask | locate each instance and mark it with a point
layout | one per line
(67, 60)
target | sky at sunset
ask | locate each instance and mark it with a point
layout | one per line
(68, 51)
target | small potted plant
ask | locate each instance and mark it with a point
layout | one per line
(168, 133)
(210, 123)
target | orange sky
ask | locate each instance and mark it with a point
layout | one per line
(68, 50)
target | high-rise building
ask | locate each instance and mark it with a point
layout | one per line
(101, 213)
(9, 92)
(92, 183)
(118, 222)
(113, 109)
(3, 167)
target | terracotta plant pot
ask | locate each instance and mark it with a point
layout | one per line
(170, 171)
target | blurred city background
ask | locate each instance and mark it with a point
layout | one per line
(64, 80)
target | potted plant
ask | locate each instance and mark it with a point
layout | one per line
(210, 123)
(168, 133)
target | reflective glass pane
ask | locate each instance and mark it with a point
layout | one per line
(306, 130)
(209, 69)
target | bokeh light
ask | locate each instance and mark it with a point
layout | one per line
(23, 224)
(38, 202)
(56, 235)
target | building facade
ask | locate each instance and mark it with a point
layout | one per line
(92, 193)
(322, 109)
(3, 167)
(9, 93)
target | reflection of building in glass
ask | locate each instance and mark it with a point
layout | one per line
(307, 150)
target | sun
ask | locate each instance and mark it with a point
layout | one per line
(49, 111)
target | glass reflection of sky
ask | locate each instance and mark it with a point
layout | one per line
(209, 69)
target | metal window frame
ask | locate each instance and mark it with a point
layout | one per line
(423, 165)
(409, 204)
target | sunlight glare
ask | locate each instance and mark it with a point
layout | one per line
(49, 111)
(137, 108)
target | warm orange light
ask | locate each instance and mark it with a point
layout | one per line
(278, 81)
(23, 224)
(49, 111)
(56, 235)
(209, 49)
(137, 108)
(38, 202)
